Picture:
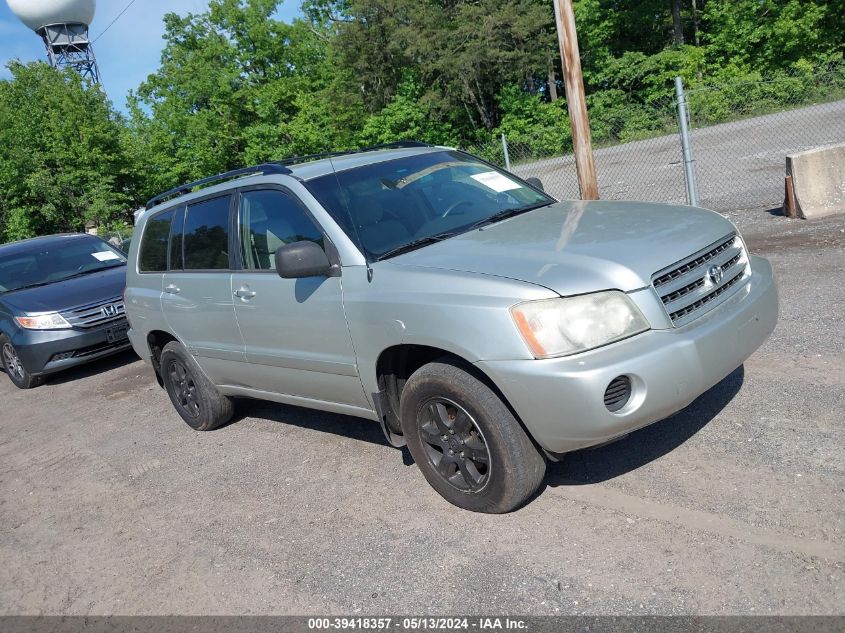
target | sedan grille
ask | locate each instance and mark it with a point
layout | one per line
(694, 285)
(96, 314)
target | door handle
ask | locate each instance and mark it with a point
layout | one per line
(244, 293)
(172, 289)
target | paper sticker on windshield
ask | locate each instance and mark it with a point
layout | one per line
(105, 256)
(496, 181)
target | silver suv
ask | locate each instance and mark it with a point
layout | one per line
(474, 317)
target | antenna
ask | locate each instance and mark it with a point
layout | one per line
(63, 27)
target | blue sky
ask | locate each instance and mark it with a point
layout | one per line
(127, 52)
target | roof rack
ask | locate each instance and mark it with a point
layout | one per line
(266, 168)
(295, 160)
(277, 167)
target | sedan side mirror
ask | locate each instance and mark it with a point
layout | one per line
(536, 183)
(303, 259)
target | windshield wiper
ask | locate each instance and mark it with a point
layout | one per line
(74, 276)
(414, 245)
(504, 214)
(90, 272)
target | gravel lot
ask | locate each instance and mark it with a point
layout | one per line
(109, 504)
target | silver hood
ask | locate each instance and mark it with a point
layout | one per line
(576, 247)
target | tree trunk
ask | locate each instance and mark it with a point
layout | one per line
(677, 28)
(486, 119)
(552, 80)
(695, 22)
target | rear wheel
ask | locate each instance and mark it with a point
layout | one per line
(193, 396)
(467, 443)
(13, 366)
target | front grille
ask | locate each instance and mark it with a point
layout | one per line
(96, 314)
(691, 287)
(617, 394)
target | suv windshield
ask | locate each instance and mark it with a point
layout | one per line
(394, 206)
(49, 261)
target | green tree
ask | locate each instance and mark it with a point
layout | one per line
(770, 35)
(61, 160)
(236, 86)
(463, 53)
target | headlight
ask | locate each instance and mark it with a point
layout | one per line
(49, 321)
(559, 327)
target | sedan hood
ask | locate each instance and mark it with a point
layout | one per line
(63, 295)
(577, 247)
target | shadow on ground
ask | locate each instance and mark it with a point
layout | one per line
(591, 466)
(354, 428)
(588, 466)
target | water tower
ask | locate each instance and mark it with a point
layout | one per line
(63, 27)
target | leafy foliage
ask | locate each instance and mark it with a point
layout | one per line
(236, 86)
(61, 160)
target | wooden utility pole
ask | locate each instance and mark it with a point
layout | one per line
(575, 100)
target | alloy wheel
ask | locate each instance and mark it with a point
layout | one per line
(185, 389)
(454, 444)
(12, 362)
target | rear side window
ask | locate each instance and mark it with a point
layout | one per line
(270, 219)
(206, 236)
(153, 254)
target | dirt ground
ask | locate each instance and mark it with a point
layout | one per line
(109, 504)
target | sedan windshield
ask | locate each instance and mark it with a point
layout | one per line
(394, 206)
(43, 262)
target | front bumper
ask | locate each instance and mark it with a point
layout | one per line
(38, 350)
(561, 400)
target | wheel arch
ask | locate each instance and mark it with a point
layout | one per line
(397, 363)
(156, 340)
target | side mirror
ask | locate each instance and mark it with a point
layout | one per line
(536, 183)
(302, 259)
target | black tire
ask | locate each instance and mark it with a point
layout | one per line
(14, 368)
(193, 396)
(469, 419)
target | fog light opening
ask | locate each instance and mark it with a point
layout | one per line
(617, 394)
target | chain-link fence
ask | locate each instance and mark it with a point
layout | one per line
(118, 237)
(740, 135)
(740, 164)
(646, 167)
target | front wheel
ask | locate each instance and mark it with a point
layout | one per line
(13, 366)
(193, 396)
(467, 443)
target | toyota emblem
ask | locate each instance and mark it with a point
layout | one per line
(715, 274)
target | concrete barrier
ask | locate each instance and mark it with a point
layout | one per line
(816, 182)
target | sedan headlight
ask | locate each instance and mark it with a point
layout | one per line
(559, 327)
(48, 321)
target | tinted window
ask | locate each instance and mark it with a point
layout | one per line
(153, 255)
(389, 204)
(268, 220)
(176, 239)
(207, 235)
